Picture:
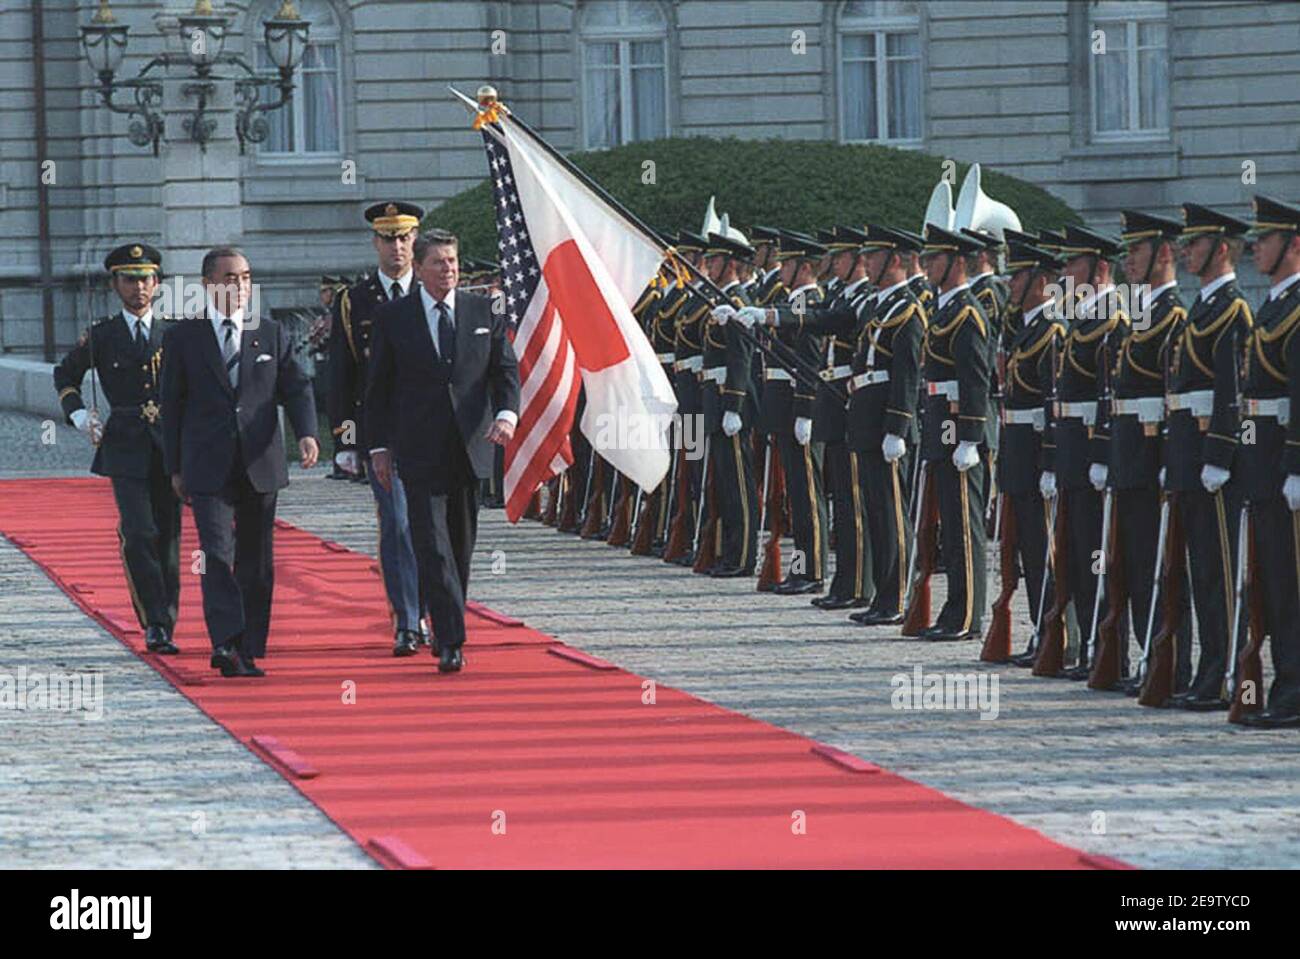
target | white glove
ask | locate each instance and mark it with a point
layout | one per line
(802, 430)
(1047, 484)
(88, 423)
(966, 455)
(1162, 477)
(348, 461)
(731, 423)
(721, 314)
(1291, 490)
(893, 448)
(1097, 474)
(750, 315)
(1213, 477)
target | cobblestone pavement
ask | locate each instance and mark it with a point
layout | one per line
(1155, 788)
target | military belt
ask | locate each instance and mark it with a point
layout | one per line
(1086, 411)
(1279, 409)
(1148, 409)
(1200, 403)
(1035, 417)
(946, 388)
(869, 378)
(833, 373)
(149, 411)
(665, 358)
(717, 374)
(776, 373)
(692, 363)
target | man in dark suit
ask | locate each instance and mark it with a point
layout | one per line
(443, 387)
(124, 352)
(224, 375)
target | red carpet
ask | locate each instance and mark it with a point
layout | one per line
(537, 756)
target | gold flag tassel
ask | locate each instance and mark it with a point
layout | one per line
(490, 109)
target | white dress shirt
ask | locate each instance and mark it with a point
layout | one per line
(944, 298)
(1209, 289)
(216, 317)
(1152, 295)
(1276, 291)
(887, 292)
(146, 318)
(403, 281)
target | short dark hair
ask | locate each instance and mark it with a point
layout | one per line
(433, 238)
(217, 253)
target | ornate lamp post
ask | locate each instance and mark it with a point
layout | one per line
(203, 34)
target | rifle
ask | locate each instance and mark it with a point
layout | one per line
(551, 514)
(646, 513)
(594, 514)
(569, 520)
(676, 547)
(706, 534)
(1050, 659)
(773, 514)
(1049, 565)
(1161, 654)
(997, 641)
(1248, 690)
(1106, 654)
(620, 526)
(920, 565)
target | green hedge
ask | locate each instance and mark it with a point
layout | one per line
(797, 184)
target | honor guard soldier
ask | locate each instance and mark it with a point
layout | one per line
(1071, 434)
(730, 409)
(1029, 351)
(882, 416)
(787, 414)
(840, 320)
(123, 355)
(956, 369)
(394, 226)
(1127, 455)
(1201, 439)
(1270, 466)
(990, 290)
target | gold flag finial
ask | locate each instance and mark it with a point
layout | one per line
(203, 8)
(287, 11)
(103, 14)
(490, 109)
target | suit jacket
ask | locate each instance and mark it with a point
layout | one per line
(129, 381)
(207, 424)
(433, 415)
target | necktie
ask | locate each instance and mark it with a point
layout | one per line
(230, 353)
(395, 290)
(141, 338)
(446, 334)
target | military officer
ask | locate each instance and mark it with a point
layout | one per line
(956, 369)
(787, 413)
(1201, 438)
(394, 225)
(1270, 466)
(730, 409)
(123, 354)
(1127, 449)
(1030, 351)
(991, 292)
(1070, 433)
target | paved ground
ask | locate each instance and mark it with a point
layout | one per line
(1094, 770)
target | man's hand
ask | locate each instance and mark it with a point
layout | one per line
(309, 449)
(349, 461)
(1213, 477)
(1047, 484)
(1291, 490)
(750, 315)
(1097, 474)
(731, 423)
(178, 487)
(802, 430)
(501, 432)
(87, 422)
(381, 464)
(721, 314)
(966, 455)
(893, 448)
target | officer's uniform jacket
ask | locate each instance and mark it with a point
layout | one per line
(352, 316)
(130, 383)
(1269, 377)
(829, 423)
(886, 370)
(783, 399)
(726, 380)
(956, 367)
(1027, 385)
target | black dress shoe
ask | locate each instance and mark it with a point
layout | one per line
(799, 586)
(731, 572)
(686, 559)
(423, 635)
(1077, 673)
(1267, 719)
(156, 640)
(228, 659)
(450, 660)
(833, 602)
(1198, 704)
(876, 617)
(945, 634)
(406, 643)
(1025, 659)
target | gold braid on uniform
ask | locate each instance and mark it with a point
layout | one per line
(345, 317)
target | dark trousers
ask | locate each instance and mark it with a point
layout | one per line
(1137, 515)
(803, 485)
(1032, 515)
(149, 530)
(852, 548)
(1211, 523)
(885, 497)
(235, 529)
(444, 527)
(736, 497)
(961, 517)
(1084, 538)
(1276, 573)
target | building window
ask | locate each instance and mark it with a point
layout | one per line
(310, 125)
(1129, 69)
(624, 47)
(880, 71)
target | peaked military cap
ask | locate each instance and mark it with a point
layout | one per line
(1199, 219)
(883, 238)
(939, 240)
(1026, 256)
(719, 245)
(1051, 240)
(844, 238)
(798, 245)
(764, 234)
(134, 259)
(986, 240)
(690, 242)
(1138, 227)
(1081, 242)
(1273, 215)
(391, 218)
